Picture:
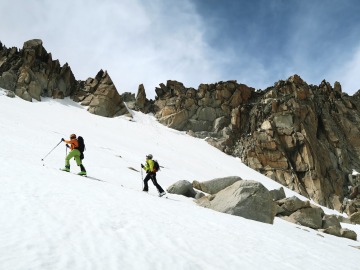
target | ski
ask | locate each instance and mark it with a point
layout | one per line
(87, 176)
(163, 196)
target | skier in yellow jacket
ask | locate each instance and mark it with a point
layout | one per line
(151, 174)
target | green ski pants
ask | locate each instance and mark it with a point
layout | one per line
(75, 153)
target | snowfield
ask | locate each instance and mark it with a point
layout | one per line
(56, 220)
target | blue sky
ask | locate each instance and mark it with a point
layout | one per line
(255, 42)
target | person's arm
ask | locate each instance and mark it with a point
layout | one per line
(73, 143)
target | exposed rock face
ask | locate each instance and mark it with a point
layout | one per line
(352, 204)
(31, 74)
(302, 136)
(141, 100)
(355, 218)
(212, 111)
(101, 96)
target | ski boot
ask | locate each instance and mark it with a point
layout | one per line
(66, 169)
(82, 173)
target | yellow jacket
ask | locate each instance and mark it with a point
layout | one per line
(149, 165)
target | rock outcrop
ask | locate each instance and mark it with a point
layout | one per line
(101, 96)
(31, 73)
(302, 136)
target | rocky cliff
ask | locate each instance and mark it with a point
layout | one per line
(303, 136)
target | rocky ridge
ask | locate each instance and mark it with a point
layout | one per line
(302, 136)
(31, 74)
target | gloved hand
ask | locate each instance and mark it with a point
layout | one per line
(142, 166)
(62, 139)
(67, 146)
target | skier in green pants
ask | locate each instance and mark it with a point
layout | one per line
(74, 153)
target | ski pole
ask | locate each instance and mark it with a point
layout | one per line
(51, 151)
(142, 179)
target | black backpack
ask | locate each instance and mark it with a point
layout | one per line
(156, 166)
(81, 146)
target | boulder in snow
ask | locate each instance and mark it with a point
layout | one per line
(248, 199)
(182, 187)
(215, 185)
(309, 217)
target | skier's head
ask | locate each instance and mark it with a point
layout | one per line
(72, 136)
(149, 156)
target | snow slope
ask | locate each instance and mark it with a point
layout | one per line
(56, 220)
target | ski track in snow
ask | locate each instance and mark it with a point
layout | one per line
(56, 220)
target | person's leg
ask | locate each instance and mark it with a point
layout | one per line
(67, 161)
(77, 157)
(82, 168)
(153, 179)
(146, 186)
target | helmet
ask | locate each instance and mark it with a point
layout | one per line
(72, 136)
(149, 156)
